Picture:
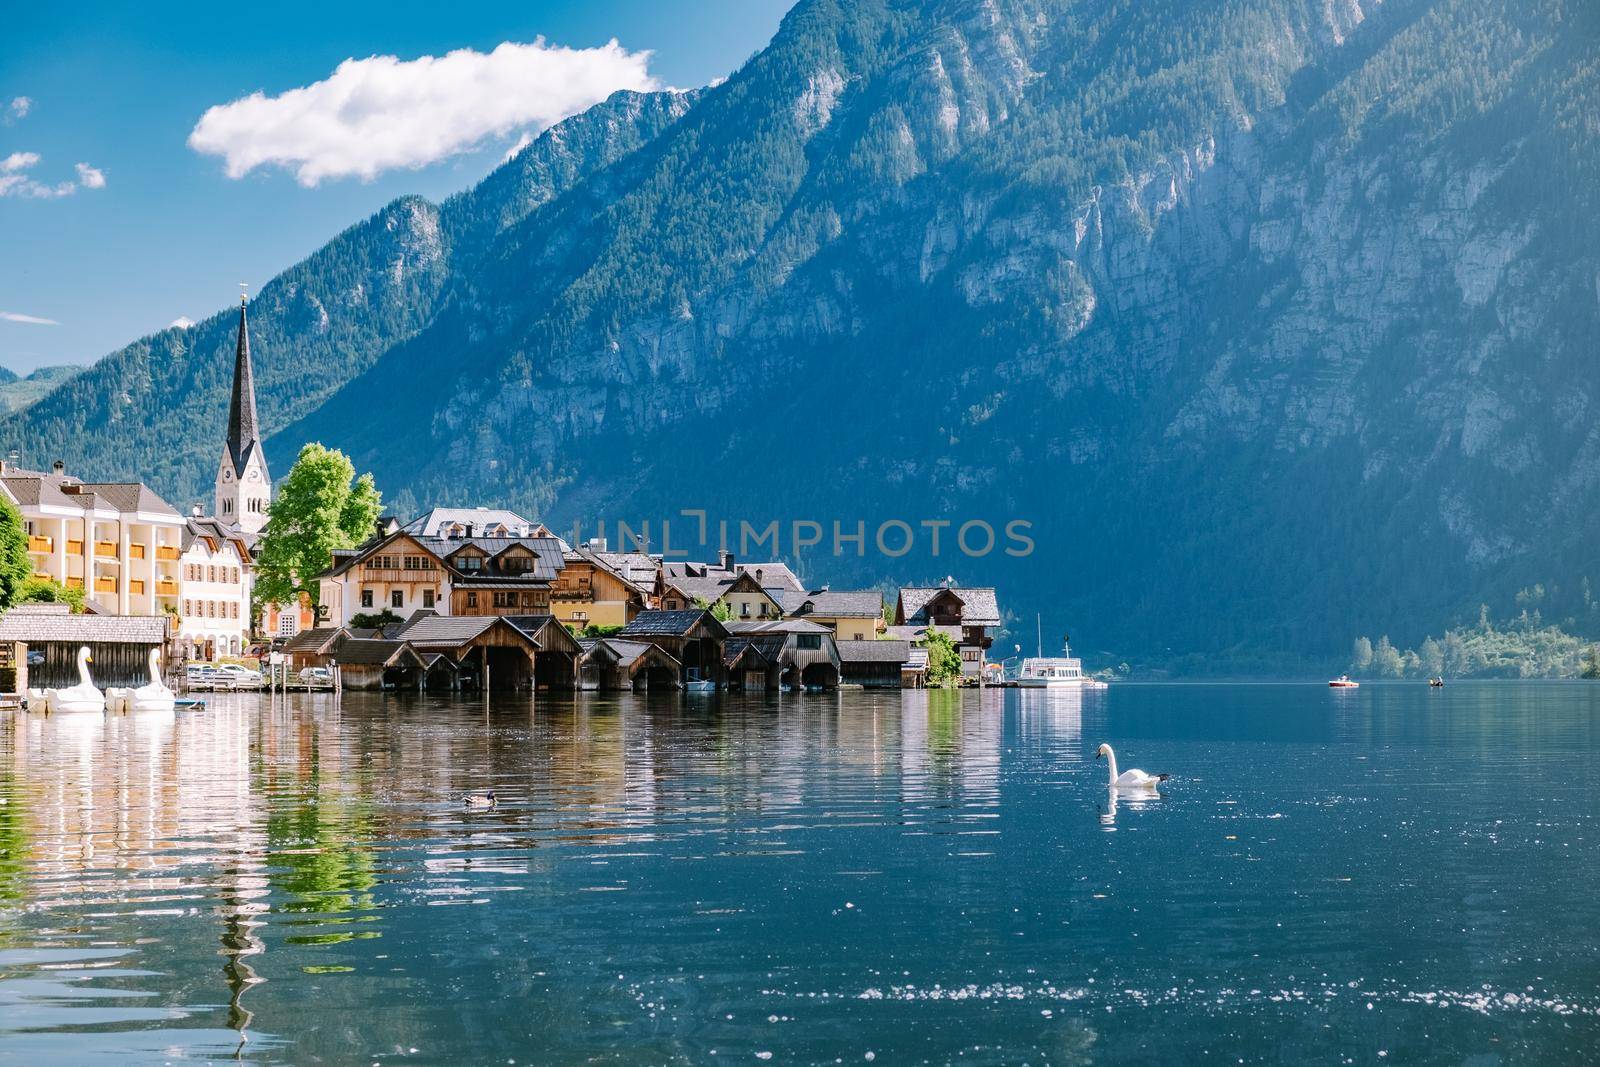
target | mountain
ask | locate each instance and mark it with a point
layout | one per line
(1275, 319)
(17, 392)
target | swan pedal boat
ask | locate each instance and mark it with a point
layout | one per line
(82, 698)
(155, 697)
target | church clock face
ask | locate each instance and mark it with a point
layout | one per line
(227, 476)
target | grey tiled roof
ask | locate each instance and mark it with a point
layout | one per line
(667, 623)
(840, 603)
(777, 626)
(445, 631)
(314, 640)
(369, 652)
(886, 651)
(35, 488)
(37, 627)
(771, 573)
(979, 607)
(430, 522)
(629, 652)
(768, 646)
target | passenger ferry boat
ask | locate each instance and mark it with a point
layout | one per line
(1055, 672)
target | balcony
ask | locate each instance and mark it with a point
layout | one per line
(41, 576)
(136, 586)
(105, 585)
(136, 551)
(74, 583)
(38, 543)
(74, 548)
(166, 587)
(105, 549)
(168, 552)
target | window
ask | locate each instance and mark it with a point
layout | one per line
(366, 598)
(286, 624)
(397, 599)
(211, 574)
(227, 507)
(472, 598)
(233, 610)
(504, 600)
(744, 609)
(427, 598)
(186, 607)
(471, 564)
(808, 642)
(211, 609)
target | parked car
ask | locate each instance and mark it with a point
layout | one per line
(200, 675)
(315, 676)
(233, 676)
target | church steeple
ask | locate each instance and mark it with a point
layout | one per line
(244, 489)
(242, 434)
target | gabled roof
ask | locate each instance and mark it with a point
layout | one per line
(672, 623)
(431, 630)
(626, 653)
(41, 627)
(979, 606)
(38, 489)
(433, 522)
(315, 641)
(597, 560)
(767, 574)
(638, 567)
(547, 632)
(886, 651)
(840, 604)
(214, 532)
(370, 652)
(777, 626)
(767, 648)
(548, 552)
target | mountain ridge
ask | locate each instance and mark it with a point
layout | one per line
(1272, 319)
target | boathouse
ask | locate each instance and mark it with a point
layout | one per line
(692, 636)
(44, 640)
(614, 663)
(879, 664)
(804, 652)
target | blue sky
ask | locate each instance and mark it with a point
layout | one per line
(150, 229)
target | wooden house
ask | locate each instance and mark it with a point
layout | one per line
(589, 591)
(964, 614)
(852, 614)
(877, 664)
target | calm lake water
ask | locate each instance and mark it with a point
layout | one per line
(1385, 876)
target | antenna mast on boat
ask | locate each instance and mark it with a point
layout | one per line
(1038, 621)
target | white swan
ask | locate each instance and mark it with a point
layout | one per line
(1129, 779)
(83, 697)
(39, 700)
(155, 697)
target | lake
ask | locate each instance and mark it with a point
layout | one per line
(1390, 875)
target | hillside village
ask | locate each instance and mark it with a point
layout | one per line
(456, 598)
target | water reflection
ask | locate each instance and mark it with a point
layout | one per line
(814, 876)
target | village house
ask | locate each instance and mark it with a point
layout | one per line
(404, 572)
(117, 541)
(364, 659)
(852, 614)
(747, 590)
(589, 591)
(215, 580)
(963, 614)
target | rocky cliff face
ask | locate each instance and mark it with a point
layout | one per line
(1275, 321)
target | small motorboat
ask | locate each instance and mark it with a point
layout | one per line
(1344, 681)
(85, 697)
(1436, 683)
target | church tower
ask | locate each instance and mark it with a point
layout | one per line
(243, 487)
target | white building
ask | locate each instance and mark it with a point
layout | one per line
(117, 541)
(244, 488)
(216, 579)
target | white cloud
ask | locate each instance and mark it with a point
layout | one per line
(381, 113)
(20, 106)
(32, 320)
(16, 181)
(522, 142)
(182, 322)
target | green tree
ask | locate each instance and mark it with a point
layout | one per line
(44, 591)
(1361, 655)
(16, 569)
(1432, 657)
(1591, 663)
(719, 611)
(944, 662)
(1386, 659)
(320, 507)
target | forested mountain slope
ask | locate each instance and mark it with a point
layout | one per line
(1275, 318)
